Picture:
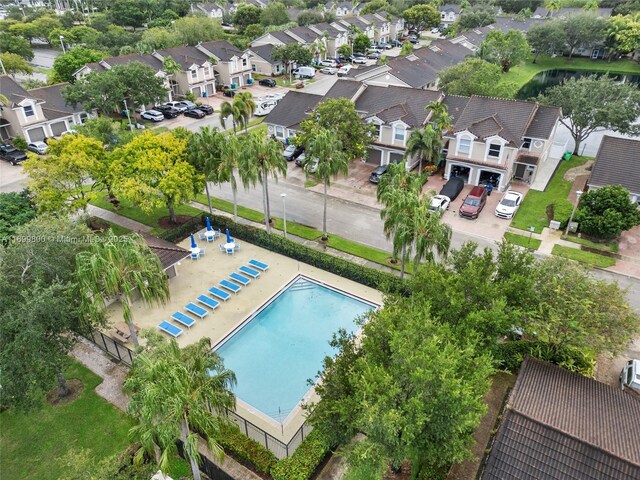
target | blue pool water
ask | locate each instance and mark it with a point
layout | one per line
(283, 345)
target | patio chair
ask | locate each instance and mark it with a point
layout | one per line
(249, 271)
(230, 286)
(201, 236)
(230, 251)
(195, 309)
(219, 294)
(241, 279)
(217, 233)
(209, 302)
(202, 250)
(170, 329)
(222, 249)
(194, 256)
(185, 320)
(259, 265)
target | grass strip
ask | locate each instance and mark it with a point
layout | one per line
(611, 247)
(591, 259)
(522, 240)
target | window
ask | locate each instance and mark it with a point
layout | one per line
(399, 134)
(28, 111)
(376, 130)
(494, 150)
(291, 133)
(526, 144)
(244, 62)
(279, 132)
(194, 74)
(207, 71)
(464, 146)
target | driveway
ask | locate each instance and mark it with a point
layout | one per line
(12, 178)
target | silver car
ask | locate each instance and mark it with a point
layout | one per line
(38, 147)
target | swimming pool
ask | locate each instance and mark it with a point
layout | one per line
(281, 346)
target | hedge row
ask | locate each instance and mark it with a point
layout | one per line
(364, 275)
(509, 356)
(178, 234)
(304, 461)
(247, 451)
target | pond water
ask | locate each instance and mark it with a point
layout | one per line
(550, 78)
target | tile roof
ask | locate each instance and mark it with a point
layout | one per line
(396, 103)
(54, 105)
(562, 425)
(292, 109)
(168, 253)
(543, 122)
(185, 56)
(617, 164)
(222, 49)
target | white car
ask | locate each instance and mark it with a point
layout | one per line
(152, 115)
(360, 60)
(328, 71)
(630, 376)
(509, 204)
(328, 63)
(38, 147)
(439, 202)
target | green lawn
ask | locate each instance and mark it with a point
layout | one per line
(32, 445)
(532, 212)
(592, 259)
(522, 240)
(605, 247)
(526, 71)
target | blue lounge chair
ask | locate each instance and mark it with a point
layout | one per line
(185, 320)
(195, 309)
(219, 294)
(209, 302)
(241, 279)
(249, 271)
(230, 286)
(259, 265)
(170, 329)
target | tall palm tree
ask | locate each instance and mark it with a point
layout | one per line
(174, 392)
(116, 269)
(440, 119)
(233, 110)
(319, 49)
(247, 106)
(224, 170)
(327, 149)
(203, 152)
(258, 161)
(430, 232)
(419, 144)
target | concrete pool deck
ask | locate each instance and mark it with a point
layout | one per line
(195, 277)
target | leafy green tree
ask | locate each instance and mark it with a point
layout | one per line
(506, 49)
(254, 31)
(83, 464)
(290, 54)
(65, 65)
(44, 25)
(15, 209)
(406, 49)
(479, 15)
(309, 17)
(83, 35)
(474, 76)
(583, 28)
(361, 43)
(141, 85)
(553, 5)
(422, 17)
(622, 34)
(158, 38)
(375, 6)
(592, 102)
(14, 63)
(546, 37)
(344, 50)
(23, 30)
(246, 15)
(325, 147)
(127, 13)
(120, 268)
(12, 44)
(176, 392)
(607, 212)
(260, 159)
(152, 172)
(339, 116)
(515, 6)
(275, 13)
(193, 30)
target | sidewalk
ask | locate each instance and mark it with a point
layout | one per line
(118, 219)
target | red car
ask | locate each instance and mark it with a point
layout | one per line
(474, 203)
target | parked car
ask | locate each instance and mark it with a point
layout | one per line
(440, 202)
(304, 72)
(267, 82)
(509, 204)
(301, 159)
(188, 104)
(328, 71)
(194, 113)
(152, 115)
(452, 188)
(378, 173)
(373, 56)
(229, 93)
(207, 109)
(474, 203)
(413, 39)
(344, 70)
(385, 46)
(630, 376)
(181, 107)
(292, 152)
(38, 147)
(328, 62)
(168, 111)
(11, 154)
(396, 43)
(375, 49)
(435, 30)
(360, 60)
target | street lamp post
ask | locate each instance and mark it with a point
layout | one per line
(575, 206)
(284, 212)
(126, 109)
(62, 44)
(531, 230)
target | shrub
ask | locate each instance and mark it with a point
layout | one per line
(562, 211)
(606, 212)
(246, 450)
(20, 143)
(181, 232)
(304, 461)
(366, 276)
(509, 356)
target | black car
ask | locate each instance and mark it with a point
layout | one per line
(11, 154)
(452, 188)
(206, 109)
(267, 82)
(194, 113)
(378, 173)
(229, 93)
(168, 111)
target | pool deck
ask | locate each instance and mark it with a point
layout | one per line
(195, 277)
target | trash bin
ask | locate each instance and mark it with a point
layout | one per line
(204, 94)
(250, 81)
(233, 86)
(567, 156)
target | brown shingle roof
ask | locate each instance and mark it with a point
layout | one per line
(168, 253)
(543, 122)
(185, 56)
(617, 164)
(292, 109)
(384, 102)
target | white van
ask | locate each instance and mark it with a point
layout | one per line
(630, 375)
(265, 104)
(343, 71)
(305, 72)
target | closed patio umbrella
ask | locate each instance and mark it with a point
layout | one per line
(229, 239)
(193, 242)
(208, 222)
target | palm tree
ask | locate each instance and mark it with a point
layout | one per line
(203, 152)
(318, 48)
(258, 160)
(419, 144)
(174, 392)
(326, 148)
(429, 232)
(224, 170)
(440, 119)
(116, 269)
(233, 110)
(245, 102)
(552, 5)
